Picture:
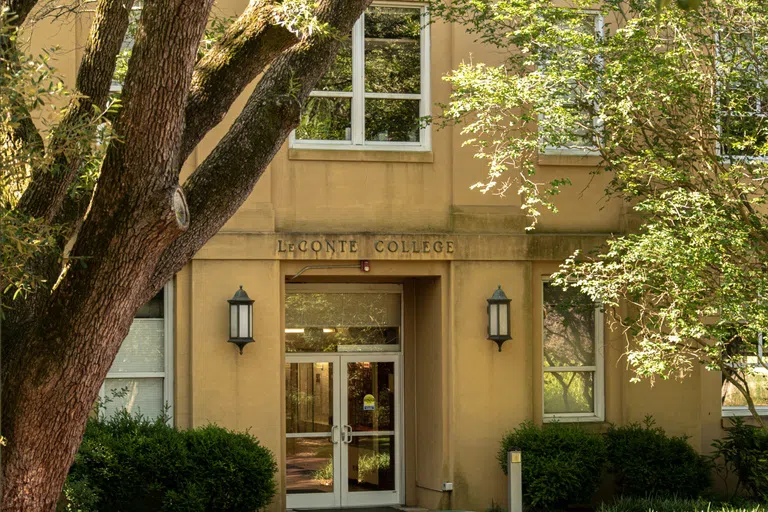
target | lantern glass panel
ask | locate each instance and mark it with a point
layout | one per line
(244, 316)
(250, 321)
(233, 320)
(503, 322)
(494, 319)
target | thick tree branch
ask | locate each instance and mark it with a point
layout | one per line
(247, 47)
(224, 180)
(46, 191)
(69, 350)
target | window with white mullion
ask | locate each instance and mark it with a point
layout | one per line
(140, 379)
(741, 92)
(572, 359)
(756, 376)
(578, 141)
(384, 73)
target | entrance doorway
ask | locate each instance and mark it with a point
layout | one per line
(343, 396)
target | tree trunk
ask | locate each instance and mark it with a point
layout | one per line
(57, 356)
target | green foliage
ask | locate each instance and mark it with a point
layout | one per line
(671, 101)
(562, 464)
(128, 463)
(29, 84)
(744, 452)
(648, 462)
(675, 505)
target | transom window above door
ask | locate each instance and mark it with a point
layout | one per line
(377, 88)
(342, 321)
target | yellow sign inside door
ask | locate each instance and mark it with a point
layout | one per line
(369, 403)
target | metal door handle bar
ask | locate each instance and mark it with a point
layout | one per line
(334, 429)
(347, 434)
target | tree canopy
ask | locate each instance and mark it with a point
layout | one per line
(672, 102)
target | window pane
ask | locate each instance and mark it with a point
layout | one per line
(143, 396)
(326, 119)
(371, 464)
(339, 77)
(373, 380)
(308, 397)
(744, 135)
(308, 465)
(143, 350)
(392, 50)
(344, 322)
(566, 392)
(758, 389)
(392, 120)
(569, 328)
(154, 308)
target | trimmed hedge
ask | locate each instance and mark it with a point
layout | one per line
(562, 464)
(128, 463)
(647, 462)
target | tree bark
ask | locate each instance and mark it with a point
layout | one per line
(132, 241)
(51, 376)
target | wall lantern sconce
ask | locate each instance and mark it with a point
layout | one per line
(498, 318)
(240, 319)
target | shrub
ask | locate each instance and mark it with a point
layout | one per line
(128, 463)
(674, 505)
(744, 451)
(648, 462)
(561, 464)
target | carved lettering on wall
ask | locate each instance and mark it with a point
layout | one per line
(329, 247)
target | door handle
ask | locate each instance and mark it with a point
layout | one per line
(334, 430)
(347, 434)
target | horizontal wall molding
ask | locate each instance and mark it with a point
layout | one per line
(399, 246)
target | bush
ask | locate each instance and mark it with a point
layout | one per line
(674, 505)
(648, 462)
(744, 451)
(562, 464)
(128, 463)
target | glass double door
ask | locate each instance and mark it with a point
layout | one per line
(343, 430)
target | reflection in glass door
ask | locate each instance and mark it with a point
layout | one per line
(312, 437)
(342, 395)
(370, 418)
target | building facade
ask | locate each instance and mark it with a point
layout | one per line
(370, 262)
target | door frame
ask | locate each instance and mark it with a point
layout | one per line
(340, 497)
(358, 499)
(320, 499)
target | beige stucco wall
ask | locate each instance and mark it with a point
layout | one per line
(461, 394)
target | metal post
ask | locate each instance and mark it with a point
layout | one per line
(514, 481)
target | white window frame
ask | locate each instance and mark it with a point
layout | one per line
(598, 370)
(168, 342)
(759, 112)
(731, 411)
(564, 150)
(358, 95)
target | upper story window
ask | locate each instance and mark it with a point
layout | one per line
(742, 94)
(756, 378)
(126, 48)
(572, 356)
(575, 136)
(377, 89)
(140, 379)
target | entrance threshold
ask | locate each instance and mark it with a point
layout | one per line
(360, 509)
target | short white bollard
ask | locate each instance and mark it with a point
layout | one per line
(515, 481)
